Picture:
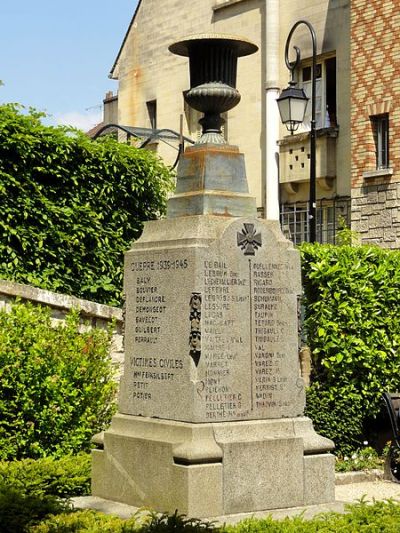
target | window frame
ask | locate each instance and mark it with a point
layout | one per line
(322, 117)
(151, 106)
(381, 130)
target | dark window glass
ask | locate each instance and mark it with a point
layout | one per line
(152, 111)
(307, 72)
(380, 130)
(330, 68)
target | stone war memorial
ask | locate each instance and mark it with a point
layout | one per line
(210, 419)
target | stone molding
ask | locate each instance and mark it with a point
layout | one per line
(378, 173)
(379, 108)
(225, 3)
(59, 301)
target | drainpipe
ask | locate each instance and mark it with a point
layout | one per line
(271, 200)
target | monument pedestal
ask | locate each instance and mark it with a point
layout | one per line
(207, 470)
(211, 405)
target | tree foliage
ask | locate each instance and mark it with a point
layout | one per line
(352, 321)
(70, 206)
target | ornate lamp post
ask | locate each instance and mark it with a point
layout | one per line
(292, 104)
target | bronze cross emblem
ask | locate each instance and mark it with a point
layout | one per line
(249, 240)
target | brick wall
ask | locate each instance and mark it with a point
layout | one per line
(92, 314)
(375, 90)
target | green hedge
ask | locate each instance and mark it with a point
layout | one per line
(31, 490)
(338, 414)
(65, 477)
(70, 206)
(19, 511)
(352, 323)
(56, 384)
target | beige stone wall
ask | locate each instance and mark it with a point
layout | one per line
(148, 71)
(331, 21)
(92, 314)
(245, 122)
(110, 108)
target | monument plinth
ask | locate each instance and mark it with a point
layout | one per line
(211, 404)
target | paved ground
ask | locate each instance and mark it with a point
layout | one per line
(345, 493)
(378, 490)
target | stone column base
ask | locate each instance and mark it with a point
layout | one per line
(206, 470)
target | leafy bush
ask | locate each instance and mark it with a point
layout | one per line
(352, 323)
(65, 477)
(56, 386)
(366, 459)
(360, 517)
(70, 206)
(379, 516)
(148, 522)
(83, 521)
(164, 523)
(18, 510)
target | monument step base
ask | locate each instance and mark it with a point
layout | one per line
(208, 470)
(125, 511)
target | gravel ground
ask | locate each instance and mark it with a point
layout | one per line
(372, 490)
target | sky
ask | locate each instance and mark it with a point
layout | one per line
(55, 55)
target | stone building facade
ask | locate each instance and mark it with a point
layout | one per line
(375, 114)
(357, 103)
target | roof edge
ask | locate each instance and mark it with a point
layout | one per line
(111, 74)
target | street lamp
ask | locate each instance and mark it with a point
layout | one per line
(292, 104)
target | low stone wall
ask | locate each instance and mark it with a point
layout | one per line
(92, 314)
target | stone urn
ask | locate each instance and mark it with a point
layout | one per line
(213, 66)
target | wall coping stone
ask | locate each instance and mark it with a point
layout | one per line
(332, 131)
(60, 301)
(224, 4)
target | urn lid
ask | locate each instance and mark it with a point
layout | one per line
(241, 45)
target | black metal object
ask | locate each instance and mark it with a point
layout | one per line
(292, 65)
(213, 66)
(392, 402)
(150, 135)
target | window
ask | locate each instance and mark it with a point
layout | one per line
(330, 216)
(380, 130)
(325, 94)
(152, 113)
